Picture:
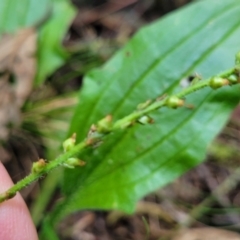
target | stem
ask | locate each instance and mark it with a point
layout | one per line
(11, 192)
(158, 104)
(101, 130)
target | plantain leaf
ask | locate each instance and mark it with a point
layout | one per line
(202, 37)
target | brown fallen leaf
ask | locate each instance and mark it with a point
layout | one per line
(143, 207)
(17, 71)
(206, 233)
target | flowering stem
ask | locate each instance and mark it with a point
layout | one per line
(105, 126)
(11, 192)
(158, 104)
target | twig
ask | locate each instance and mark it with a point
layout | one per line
(226, 186)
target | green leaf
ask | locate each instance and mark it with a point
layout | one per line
(51, 17)
(47, 231)
(202, 37)
(18, 14)
(51, 54)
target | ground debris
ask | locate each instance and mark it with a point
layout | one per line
(206, 233)
(17, 71)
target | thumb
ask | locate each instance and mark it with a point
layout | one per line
(15, 220)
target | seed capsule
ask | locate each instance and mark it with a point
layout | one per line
(38, 166)
(218, 82)
(174, 102)
(104, 125)
(145, 120)
(74, 162)
(233, 79)
(69, 143)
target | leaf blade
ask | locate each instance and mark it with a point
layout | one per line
(26, 13)
(145, 158)
(52, 54)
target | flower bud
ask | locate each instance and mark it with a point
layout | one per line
(74, 162)
(218, 82)
(145, 120)
(38, 166)
(69, 143)
(174, 102)
(233, 79)
(104, 125)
